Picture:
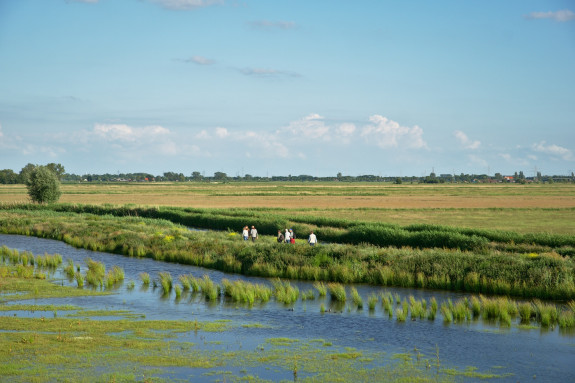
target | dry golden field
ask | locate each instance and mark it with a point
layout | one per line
(523, 208)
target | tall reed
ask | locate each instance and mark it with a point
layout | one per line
(337, 292)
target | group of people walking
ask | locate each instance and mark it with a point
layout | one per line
(288, 237)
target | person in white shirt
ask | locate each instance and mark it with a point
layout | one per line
(254, 233)
(245, 233)
(312, 240)
(287, 236)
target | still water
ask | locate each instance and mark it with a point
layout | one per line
(539, 355)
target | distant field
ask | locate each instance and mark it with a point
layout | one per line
(521, 208)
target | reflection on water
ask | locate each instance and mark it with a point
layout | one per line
(546, 354)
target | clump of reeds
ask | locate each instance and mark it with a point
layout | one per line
(432, 312)
(321, 288)
(185, 281)
(79, 279)
(178, 290)
(115, 275)
(285, 292)
(401, 313)
(417, 308)
(165, 281)
(245, 292)
(70, 270)
(356, 298)
(337, 292)
(566, 317)
(546, 313)
(145, 277)
(446, 311)
(372, 300)
(387, 303)
(209, 288)
(307, 295)
(525, 312)
(475, 306)
(131, 285)
(95, 273)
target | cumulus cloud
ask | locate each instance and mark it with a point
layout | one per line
(268, 73)
(309, 127)
(465, 141)
(125, 133)
(560, 16)
(553, 150)
(266, 24)
(390, 134)
(184, 5)
(222, 132)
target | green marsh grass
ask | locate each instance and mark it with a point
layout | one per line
(166, 282)
(372, 300)
(403, 311)
(178, 291)
(284, 292)
(307, 295)
(246, 292)
(145, 277)
(337, 292)
(114, 276)
(70, 269)
(525, 312)
(356, 298)
(432, 309)
(321, 288)
(210, 289)
(95, 273)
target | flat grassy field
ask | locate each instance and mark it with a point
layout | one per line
(520, 208)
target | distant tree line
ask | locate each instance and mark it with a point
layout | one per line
(8, 176)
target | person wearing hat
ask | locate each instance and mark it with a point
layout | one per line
(312, 240)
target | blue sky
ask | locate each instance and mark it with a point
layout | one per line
(288, 87)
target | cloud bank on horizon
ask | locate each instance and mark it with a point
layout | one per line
(276, 89)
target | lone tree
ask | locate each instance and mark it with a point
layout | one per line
(43, 185)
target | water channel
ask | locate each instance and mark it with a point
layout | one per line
(540, 355)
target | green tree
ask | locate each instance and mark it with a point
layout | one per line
(43, 185)
(57, 169)
(25, 173)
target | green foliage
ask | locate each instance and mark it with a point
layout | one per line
(43, 185)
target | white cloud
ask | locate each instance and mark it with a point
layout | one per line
(222, 132)
(560, 16)
(389, 134)
(266, 24)
(184, 5)
(202, 135)
(553, 150)
(309, 127)
(465, 141)
(346, 129)
(125, 133)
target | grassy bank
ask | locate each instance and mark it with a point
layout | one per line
(334, 229)
(494, 269)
